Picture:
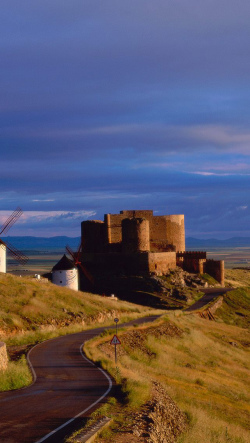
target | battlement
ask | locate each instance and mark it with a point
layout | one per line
(191, 254)
(149, 233)
(137, 241)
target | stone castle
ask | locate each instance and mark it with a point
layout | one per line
(141, 243)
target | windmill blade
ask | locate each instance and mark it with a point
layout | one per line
(11, 220)
(79, 250)
(77, 261)
(16, 254)
(71, 252)
(86, 273)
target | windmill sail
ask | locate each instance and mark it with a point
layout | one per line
(16, 254)
(77, 261)
(11, 220)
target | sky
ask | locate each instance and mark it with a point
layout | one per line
(108, 105)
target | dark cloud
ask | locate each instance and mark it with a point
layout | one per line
(110, 105)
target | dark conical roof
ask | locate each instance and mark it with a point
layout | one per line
(64, 264)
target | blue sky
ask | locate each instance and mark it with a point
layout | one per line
(111, 105)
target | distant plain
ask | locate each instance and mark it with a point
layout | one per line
(41, 262)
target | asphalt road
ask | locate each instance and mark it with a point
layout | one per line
(209, 295)
(67, 387)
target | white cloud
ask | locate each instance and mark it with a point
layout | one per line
(43, 200)
(242, 208)
(47, 216)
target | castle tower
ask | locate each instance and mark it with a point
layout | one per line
(65, 273)
(135, 235)
(93, 236)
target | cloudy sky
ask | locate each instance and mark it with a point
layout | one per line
(108, 105)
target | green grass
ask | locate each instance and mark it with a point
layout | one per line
(210, 280)
(235, 309)
(16, 376)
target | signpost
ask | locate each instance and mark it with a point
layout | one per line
(115, 340)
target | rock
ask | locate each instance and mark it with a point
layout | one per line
(3, 356)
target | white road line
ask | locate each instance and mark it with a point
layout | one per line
(85, 410)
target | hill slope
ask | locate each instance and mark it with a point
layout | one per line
(28, 305)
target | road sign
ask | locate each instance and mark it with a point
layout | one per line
(115, 340)
(116, 320)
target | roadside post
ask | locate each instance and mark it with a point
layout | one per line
(115, 340)
(116, 321)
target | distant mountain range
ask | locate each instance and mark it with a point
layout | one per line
(59, 243)
(43, 243)
(233, 242)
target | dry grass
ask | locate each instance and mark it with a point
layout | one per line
(237, 277)
(30, 310)
(205, 371)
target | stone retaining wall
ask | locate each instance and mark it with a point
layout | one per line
(3, 356)
(217, 304)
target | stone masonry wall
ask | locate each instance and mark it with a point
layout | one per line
(164, 230)
(113, 224)
(93, 236)
(3, 356)
(160, 263)
(135, 235)
(215, 268)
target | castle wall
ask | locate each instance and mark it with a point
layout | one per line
(160, 263)
(93, 236)
(135, 235)
(215, 268)
(113, 223)
(130, 263)
(167, 230)
(147, 214)
(192, 261)
(176, 231)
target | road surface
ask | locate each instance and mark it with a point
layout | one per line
(67, 387)
(210, 294)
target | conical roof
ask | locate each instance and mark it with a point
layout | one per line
(64, 264)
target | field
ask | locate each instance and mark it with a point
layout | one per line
(202, 369)
(234, 257)
(42, 261)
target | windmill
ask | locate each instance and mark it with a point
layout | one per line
(4, 245)
(76, 256)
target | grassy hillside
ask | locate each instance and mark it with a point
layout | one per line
(202, 369)
(235, 309)
(32, 311)
(29, 308)
(237, 277)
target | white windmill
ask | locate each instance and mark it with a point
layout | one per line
(65, 273)
(6, 246)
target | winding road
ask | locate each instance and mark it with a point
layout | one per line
(209, 295)
(67, 387)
